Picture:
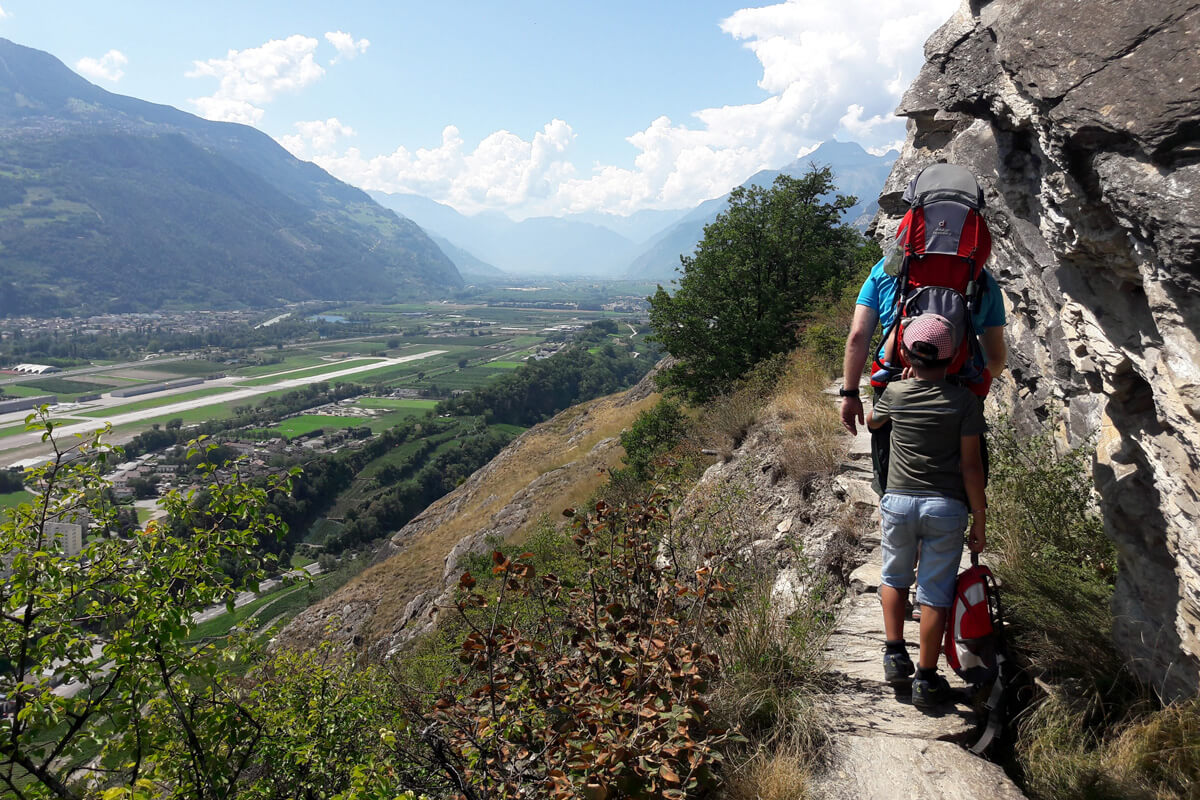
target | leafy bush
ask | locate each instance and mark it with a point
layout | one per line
(599, 695)
(652, 434)
(115, 620)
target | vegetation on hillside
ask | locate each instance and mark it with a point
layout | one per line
(1092, 731)
(109, 203)
(590, 367)
(579, 669)
(773, 256)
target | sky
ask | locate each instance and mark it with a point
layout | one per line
(529, 108)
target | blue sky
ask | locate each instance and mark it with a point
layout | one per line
(525, 107)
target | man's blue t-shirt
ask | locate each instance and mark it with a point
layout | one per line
(879, 294)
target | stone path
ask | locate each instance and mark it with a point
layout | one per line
(884, 747)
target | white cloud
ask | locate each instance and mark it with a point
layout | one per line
(109, 67)
(346, 45)
(4, 14)
(316, 136)
(830, 70)
(252, 77)
(502, 171)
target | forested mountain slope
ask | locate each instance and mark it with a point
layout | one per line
(112, 203)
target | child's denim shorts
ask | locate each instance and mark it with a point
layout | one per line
(938, 524)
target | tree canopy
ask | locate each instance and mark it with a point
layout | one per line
(774, 254)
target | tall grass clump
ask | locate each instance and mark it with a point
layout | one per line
(774, 668)
(812, 444)
(1092, 732)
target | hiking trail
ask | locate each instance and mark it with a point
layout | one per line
(882, 746)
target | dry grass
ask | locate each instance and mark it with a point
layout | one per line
(725, 422)
(778, 775)
(813, 444)
(1154, 755)
(773, 669)
(564, 441)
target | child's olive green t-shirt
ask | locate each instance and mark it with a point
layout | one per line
(929, 420)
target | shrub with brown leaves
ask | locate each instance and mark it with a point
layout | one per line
(600, 693)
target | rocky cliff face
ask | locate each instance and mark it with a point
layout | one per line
(1082, 119)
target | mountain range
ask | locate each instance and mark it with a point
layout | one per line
(644, 245)
(110, 203)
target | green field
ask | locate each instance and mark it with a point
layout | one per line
(28, 390)
(12, 431)
(11, 499)
(307, 423)
(298, 360)
(221, 625)
(66, 386)
(186, 368)
(361, 347)
(154, 402)
(397, 403)
(394, 371)
(307, 373)
(505, 364)
(469, 378)
(322, 531)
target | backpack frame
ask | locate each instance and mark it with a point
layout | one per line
(943, 242)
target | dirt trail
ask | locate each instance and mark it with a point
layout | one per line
(884, 747)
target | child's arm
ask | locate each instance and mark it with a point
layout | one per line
(972, 469)
(878, 416)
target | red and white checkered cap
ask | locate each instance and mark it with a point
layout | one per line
(930, 336)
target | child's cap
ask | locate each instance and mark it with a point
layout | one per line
(930, 337)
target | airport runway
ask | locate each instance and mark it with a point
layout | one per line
(25, 440)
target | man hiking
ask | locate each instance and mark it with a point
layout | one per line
(934, 480)
(943, 241)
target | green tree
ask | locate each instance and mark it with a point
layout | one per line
(652, 434)
(772, 255)
(95, 646)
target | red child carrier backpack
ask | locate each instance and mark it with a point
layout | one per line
(975, 647)
(938, 259)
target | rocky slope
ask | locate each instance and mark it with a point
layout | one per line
(1082, 118)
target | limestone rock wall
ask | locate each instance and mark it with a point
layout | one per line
(1082, 120)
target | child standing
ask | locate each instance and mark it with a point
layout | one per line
(934, 481)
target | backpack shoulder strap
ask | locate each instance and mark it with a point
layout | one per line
(995, 709)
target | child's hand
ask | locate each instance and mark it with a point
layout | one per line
(978, 539)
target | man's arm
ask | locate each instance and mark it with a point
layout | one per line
(995, 350)
(973, 480)
(857, 344)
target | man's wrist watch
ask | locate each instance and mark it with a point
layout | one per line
(844, 392)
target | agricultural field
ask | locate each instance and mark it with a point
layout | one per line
(414, 404)
(332, 366)
(493, 340)
(187, 368)
(154, 402)
(305, 424)
(12, 499)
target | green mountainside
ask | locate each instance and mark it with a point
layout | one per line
(110, 203)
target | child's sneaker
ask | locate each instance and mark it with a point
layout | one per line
(931, 692)
(897, 667)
